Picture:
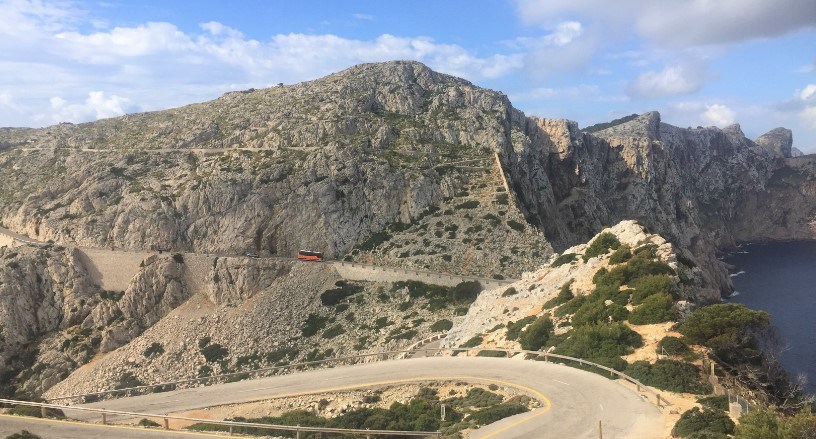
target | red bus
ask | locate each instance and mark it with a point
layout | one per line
(308, 255)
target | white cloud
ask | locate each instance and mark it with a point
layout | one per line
(719, 115)
(122, 42)
(363, 17)
(679, 23)
(808, 92)
(673, 80)
(808, 116)
(547, 93)
(96, 106)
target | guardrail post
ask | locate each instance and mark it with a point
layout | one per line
(658, 401)
(166, 424)
(297, 432)
(42, 412)
(104, 418)
(230, 431)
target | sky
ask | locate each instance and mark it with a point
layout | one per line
(697, 62)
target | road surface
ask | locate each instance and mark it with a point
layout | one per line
(573, 401)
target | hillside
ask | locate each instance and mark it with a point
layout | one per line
(387, 163)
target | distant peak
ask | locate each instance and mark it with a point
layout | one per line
(646, 125)
(778, 141)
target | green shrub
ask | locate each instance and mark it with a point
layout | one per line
(671, 375)
(655, 309)
(650, 285)
(477, 397)
(148, 423)
(402, 335)
(503, 199)
(336, 295)
(601, 245)
(571, 306)
(722, 323)
(375, 240)
(515, 225)
(496, 412)
(466, 292)
(596, 311)
(719, 402)
(566, 258)
(36, 412)
(672, 346)
(313, 324)
(564, 295)
(473, 342)
(509, 292)
(214, 353)
(333, 331)
(24, 434)
(603, 344)
(514, 328)
(442, 325)
(535, 336)
(382, 322)
(470, 204)
(621, 255)
(155, 349)
(696, 423)
(178, 257)
(492, 354)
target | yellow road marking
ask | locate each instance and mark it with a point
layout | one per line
(123, 427)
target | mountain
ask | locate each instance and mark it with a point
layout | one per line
(388, 163)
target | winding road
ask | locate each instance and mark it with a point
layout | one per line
(573, 401)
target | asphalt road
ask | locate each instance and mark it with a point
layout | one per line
(573, 401)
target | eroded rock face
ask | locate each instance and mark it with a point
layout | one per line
(778, 142)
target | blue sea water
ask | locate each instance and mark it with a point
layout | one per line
(780, 278)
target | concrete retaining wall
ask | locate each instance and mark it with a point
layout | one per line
(111, 270)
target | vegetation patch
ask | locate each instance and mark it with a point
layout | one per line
(442, 326)
(603, 344)
(601, 245)
(214, 353)
(473, 342)
(336, 295)
(154, 350)
(657, 308)
(564, 296)
(514, 328)
(313, 324)
(536, 335)
(704, 424)
(671, 375)
(566, 258)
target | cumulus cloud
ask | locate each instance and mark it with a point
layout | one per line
(680, 23)
(672, 80)
(808, 92)
(719, 115)
(95, 106)
(547, 93)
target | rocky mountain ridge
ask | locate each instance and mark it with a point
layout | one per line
(387, 163)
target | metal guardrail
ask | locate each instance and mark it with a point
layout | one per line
(485, 281)
(353, 359)
(231, 424)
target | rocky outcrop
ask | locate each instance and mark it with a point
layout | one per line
(777, 142)
(795, 152)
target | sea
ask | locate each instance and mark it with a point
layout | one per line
(780, 278)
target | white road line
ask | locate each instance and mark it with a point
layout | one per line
(559, 381)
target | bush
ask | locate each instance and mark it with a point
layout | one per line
(515, 225)
(535, 336)
(722, 323)
(603, 344)
(703, 424)
(336, 295)
(650, 285)
(155, 349)
(671, 375)
(442, 325)
(375, 240)
(492, 354)
(496, 412)
(466, 292)
(596, 311)
(621, 255)
(36, 412)
(203, 341)
(514, 328)
(332, 332)
(214, 353)
(571, 306)
(473, 342)
(25, 434)
(470, 204)
(178, 257)
(564, 295)
(313, 324)
(655, 309)
(566, 258)
(765, 424)
(509, 292)
(719, 402)
(601, 245)
(148, 423)
(672, 346)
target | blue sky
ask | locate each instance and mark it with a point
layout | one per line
(698, 62)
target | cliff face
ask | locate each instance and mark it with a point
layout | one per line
(392, 162)
(703, 189)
